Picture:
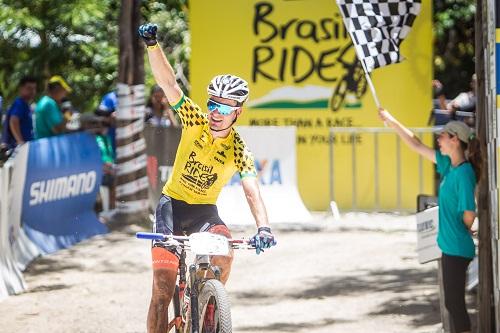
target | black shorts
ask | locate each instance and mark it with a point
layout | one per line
(180, 218)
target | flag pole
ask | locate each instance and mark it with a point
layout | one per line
(370, 83)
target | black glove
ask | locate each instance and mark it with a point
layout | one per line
(263, 239)
(148, 33)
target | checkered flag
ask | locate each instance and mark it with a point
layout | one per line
(377, 28)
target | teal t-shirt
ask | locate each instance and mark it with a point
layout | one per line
(47, 115)
(456, 195)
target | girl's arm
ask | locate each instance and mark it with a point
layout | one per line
(407, 136)
(468, 218)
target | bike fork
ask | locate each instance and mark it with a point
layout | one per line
(195, 320)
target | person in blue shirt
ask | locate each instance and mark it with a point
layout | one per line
(1, 106)
(458, 163)
(18, 124)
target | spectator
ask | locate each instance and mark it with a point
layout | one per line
(158, 111)
(108, 178)
(466, 102)
(18, 124)
(49, 120)
(439, 115)
(439, 98)
(107, 108)
(1, 107)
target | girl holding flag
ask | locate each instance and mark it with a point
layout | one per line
(458, 163)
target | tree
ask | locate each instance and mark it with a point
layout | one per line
(73, 38)
(131, 205)
(454, 44)
(174, 36)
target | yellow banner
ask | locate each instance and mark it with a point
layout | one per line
(303, 71)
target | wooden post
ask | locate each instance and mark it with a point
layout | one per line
(485, 320)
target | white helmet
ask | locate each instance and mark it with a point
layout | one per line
(230, 87)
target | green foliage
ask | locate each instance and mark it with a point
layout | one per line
(74, 38)
(78, 39)
(454, 44)
(171, 16)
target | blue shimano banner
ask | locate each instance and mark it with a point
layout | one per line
(62, 179)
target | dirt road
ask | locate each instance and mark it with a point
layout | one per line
(359, 275)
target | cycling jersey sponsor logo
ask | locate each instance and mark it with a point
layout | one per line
(197, 174)
(222, 158)
(164, 262)
(198, 144)
(219, 160)
(226, 147)
(62, 187)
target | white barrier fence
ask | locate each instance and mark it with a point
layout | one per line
(35, 217)
(16, 250)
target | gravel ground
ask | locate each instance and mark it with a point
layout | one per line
(358, 274)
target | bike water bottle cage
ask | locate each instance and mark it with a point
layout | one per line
(223, 109)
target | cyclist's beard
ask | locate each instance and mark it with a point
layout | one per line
(220, 130)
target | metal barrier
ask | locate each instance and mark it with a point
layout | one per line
(376, 131)
(441, 117)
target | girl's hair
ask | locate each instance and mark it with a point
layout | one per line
(473, 149)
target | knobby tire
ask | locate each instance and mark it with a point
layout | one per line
(213, 292)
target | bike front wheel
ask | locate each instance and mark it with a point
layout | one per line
(338, 96)
(214, 308)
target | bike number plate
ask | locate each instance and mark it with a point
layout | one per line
(207, 243)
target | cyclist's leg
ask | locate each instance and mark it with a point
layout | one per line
(165, 265)
(223, 262)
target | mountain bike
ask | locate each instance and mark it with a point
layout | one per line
(200, 303)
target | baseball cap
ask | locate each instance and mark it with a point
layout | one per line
(459, 129)
(61, 81)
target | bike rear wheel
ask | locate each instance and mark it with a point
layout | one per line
(214, 308)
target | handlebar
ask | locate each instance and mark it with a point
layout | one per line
(158, 236)
(238, 243)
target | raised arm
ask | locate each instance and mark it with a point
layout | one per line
(407, 136)
(162, 70)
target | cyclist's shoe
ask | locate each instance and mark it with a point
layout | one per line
(264, 239)
(148, 33)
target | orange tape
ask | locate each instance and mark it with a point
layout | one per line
(220, 230)
(164, 259)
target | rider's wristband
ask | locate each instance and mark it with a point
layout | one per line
(152, 47)
(266, 229)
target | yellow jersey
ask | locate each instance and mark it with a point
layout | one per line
(203, 165)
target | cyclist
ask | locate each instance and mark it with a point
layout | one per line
(209, 153)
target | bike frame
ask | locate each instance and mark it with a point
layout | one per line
(201, 266)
